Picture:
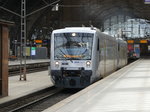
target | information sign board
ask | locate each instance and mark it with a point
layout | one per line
(147, 2)
(33, 51)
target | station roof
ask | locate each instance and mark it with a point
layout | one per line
(105, 8)
(100, 10)
(4, 22)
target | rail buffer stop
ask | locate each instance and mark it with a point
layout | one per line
(4, 34)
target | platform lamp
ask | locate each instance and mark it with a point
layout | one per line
(56, 7)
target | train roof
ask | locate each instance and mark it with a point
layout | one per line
(121, 40)
(76, 29)
(82, 30)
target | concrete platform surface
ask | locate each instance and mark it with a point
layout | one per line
(17, 62)
(127, 90)
(35, 82)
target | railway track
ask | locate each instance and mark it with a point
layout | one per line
(29, 70)
(38, 102)
(32, 67)
(46, 102)
(25, 101)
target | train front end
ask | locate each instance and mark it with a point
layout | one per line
(71, 59)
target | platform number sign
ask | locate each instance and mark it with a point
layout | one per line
(147, 1)
(33, 51)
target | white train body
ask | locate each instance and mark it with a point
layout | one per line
(81, 56)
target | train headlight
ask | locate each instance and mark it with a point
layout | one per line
(88, 63)
(73, 34)
(57, 64)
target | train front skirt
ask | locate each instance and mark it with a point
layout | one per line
(71, 78)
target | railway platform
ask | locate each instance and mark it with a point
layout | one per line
(15, 65)
(29, 61)
(126, 90)
(35, 82)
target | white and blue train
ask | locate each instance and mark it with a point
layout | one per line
(81, 56)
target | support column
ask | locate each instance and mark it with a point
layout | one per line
(1, 61)
(4, 33)
(4, 57)
(23, 41)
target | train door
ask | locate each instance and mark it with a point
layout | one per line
(102, 56)
(97, 61)
(105, 57)
(118, 54)
(115, 54)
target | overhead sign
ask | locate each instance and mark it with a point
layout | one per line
(130, 41)
(143, 41)
(38, 41)
(147, 2)
(45, 41)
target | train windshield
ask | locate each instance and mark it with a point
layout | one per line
(73, 46)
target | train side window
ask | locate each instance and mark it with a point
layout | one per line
(98, 45)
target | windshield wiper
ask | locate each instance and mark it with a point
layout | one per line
(85, 51)
(65, 57)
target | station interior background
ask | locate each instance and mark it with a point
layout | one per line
(128, 19)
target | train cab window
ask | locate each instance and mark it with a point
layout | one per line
(69, 46)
